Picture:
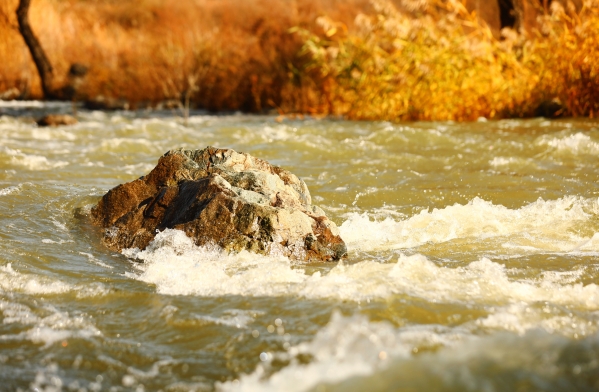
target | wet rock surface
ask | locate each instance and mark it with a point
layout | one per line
(220, 196)
(54, 120)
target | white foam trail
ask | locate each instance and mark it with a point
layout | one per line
(11, 280)
(11, 189)
(55, 327)
(522, 318)
(31, 161)
(237, 318)
(548, 221)
(35, 104)
(362, 355)
(486, 282)
(282, 133)
(52, 134)
(14, 281)
(176, 266)
(500, 162)
(578, 143)
(124, 145)
(347, 347)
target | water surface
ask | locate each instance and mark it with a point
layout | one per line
(473, 260)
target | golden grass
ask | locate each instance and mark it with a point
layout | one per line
(447, 65)
(224, 54)
(353, 58)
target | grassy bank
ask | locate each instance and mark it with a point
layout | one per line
(353, 58)
(226, 54)
(446, 65)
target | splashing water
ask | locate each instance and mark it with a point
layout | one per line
(472, 260)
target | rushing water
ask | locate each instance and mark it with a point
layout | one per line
(473, 260)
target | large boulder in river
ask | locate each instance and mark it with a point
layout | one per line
(220, 196)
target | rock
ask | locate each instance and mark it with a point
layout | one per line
(54, 120)
(220, 196)
(550, 109)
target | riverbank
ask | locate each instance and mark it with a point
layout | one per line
(357, 59)
(446, 64)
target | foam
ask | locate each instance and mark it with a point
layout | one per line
(521, 318)
(11, 190)
(283, 133)
(126, 145)
(501, 162)
(17, 313)
(347, 347)
(22, 104)
(550, 222)
(52, 134)
(57, 326)
(500, 362)
(177, 267)
(94, 259)
(578, 143)
(352, 353)
(237, 318)
(486, 282)
(31, 161)
(14, 281)
(11, 280)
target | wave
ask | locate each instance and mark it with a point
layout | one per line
(553, 223)
(354, 354)
(177, 267)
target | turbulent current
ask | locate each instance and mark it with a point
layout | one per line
(473, 260)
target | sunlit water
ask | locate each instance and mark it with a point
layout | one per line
(473, 260)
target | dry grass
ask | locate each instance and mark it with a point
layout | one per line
(343, 57)
(565, 54)
(447, 65)
(224, 54)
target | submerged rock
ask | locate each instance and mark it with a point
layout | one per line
(54, 120)
(220, 196)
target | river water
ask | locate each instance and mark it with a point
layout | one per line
(473, 260)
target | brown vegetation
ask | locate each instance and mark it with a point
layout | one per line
(224, 54)
(444, 64)
(428, 59)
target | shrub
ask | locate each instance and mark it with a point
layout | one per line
(446, 65)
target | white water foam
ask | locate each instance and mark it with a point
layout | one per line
(522, 318)
(552, 222)
(33, 104)
(237, 318)
(124, 145)
(282, 133)
(177, 267)
(14, 281)
(347, 347)
(354, 354)
(513, 162)
(54, 326)
(31, 162)
(578, 143)
(11, 189)
(11, 280)
(52, 134)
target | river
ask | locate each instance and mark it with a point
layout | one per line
(473, 260)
